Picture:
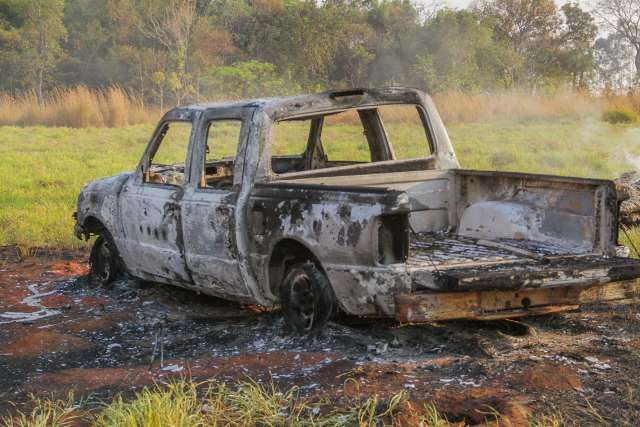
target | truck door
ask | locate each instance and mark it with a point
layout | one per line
(151, 206)
(209, 206)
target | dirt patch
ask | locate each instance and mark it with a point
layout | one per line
(13, 294)
(88, 380)
(480, 405)
(87, 324)
(30, 344)
(546, 376)
(70, 268)
(57, 301)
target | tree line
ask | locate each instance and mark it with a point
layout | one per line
(174, 51)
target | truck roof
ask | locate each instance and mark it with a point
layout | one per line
(285, 106)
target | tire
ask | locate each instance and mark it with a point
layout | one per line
(105, 260)
(307, 298)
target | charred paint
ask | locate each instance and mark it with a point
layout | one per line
(472, 230)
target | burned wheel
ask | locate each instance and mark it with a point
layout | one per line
(105, 265)
(307, 298)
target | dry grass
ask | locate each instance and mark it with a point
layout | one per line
(80, 107)
(77, 107)
(515, 105)
(458, 107)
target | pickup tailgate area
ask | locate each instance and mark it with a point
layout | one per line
(458, 277)
(428, 306)
(447, 263)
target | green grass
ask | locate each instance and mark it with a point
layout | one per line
(188, 404)
(43, 169)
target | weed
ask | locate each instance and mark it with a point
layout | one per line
(46, 413)
(620, 116)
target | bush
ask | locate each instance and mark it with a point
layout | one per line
(620, 116)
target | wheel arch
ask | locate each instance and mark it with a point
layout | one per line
(93, 225)
(284, 253)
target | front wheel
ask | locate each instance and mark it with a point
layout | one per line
(307, 298)
(105, 266)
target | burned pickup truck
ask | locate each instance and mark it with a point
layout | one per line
(351, 200)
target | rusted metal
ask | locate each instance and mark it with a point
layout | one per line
(486, 305)
(376, 230)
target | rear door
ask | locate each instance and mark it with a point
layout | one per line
(209, 204)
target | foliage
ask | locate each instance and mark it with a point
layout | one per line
(463, 55)
(247, 79)
(623, 18)
(620, 116)
(576, 55)
(169, 52)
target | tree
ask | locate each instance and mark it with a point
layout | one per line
(521, 22)
(11, 62)
(42, 33)
(248, 79)
(355, 48)
(171, 24)
(614, 63)
(623, 18)
(576, 41)
(529, 27)
(211, 46)
(460, 53)
(397, 29)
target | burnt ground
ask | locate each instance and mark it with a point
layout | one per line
(59, 332)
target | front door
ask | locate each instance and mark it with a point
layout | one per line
(209, 207)
(151, 207)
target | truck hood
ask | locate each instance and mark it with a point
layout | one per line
(111, 184)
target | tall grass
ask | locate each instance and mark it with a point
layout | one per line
(76, 107)
(520, 105)
(113, 107)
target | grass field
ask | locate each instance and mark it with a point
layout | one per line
(43, 168)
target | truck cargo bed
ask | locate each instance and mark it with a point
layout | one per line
(452, 263)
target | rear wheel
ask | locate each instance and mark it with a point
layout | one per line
(307, 298)
(105, 265)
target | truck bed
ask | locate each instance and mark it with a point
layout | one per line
(447, 262)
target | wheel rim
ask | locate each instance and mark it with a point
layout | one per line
(302, 304)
